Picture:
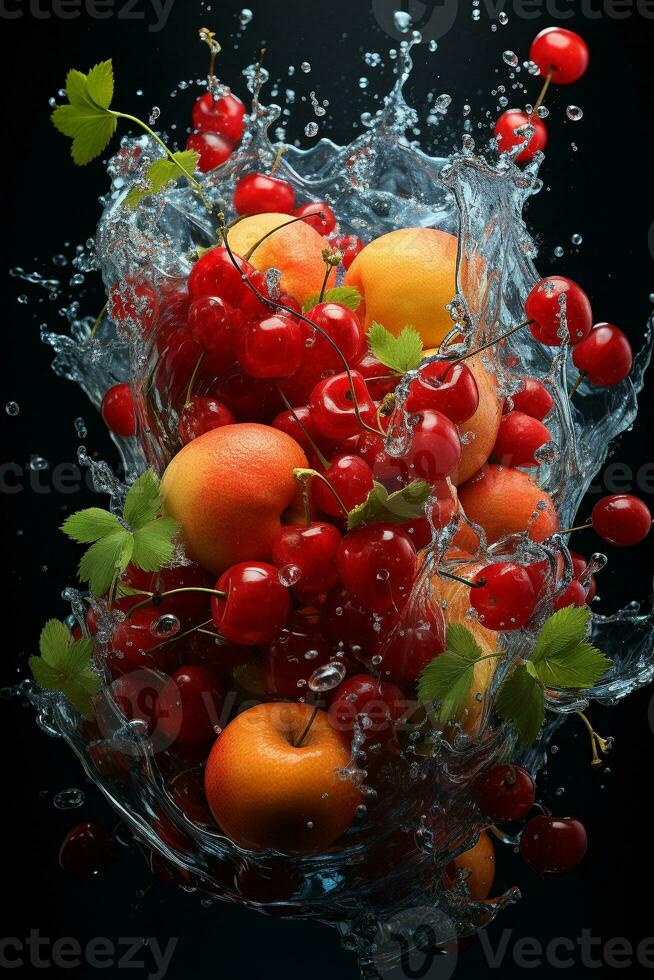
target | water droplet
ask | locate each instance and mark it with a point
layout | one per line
(155, 112)
(12, 408)
(402, 21)
(305, 67)
(576, 239)
(542, 112)
(38, 463)
(59, 260)
(69, 799)
(245, 16)
(327, 677)
(166, 625)
(442, 103)
(503, 18)
(363, 83)
(80, 428)
(311, 129)
(510, 58)
(574, 113)
(559, 251)
(433, 45)
(476, 15)
(289, 575)
(373, 59)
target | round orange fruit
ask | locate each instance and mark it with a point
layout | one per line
(504, 500)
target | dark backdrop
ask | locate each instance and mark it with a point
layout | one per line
(602, 192)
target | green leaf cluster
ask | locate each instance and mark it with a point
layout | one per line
(395, 508)
(402, 353)
(88, 119)
(66, 667)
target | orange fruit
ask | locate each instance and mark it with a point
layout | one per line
(228, 490)
(478, 866)
(503, 501)
(295, 250)
(407, 277)
(265, 791)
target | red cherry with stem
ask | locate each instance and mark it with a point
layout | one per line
(344, 328)
(260, 194)
(312, 550)
(503, 596)
(189, 707)
(351, 478)
(124, 604)
(271, 347)
(224, 115)
(292, 657)
(351, 628)
(505, 793)
(416, 640)
(534, 399)
(605, 356)
(214, 274)
(189, 607)
(574, 595)
(202, 415)
(443, 504)
(561, 52)
(133, 641)
(118, 410)
(312, 216)
(187, 790)
(333, 407)
(349, 246)
(375, 706)
(553, 304)
(297, 422)
(518, 440)
(213, 324)
(446, 387)
(379, 378)
(621, 520)
(87, 849)
(553, 845)
(513, 129)
(434, 452)
(256, 606)
(213, 150)
(378, 564)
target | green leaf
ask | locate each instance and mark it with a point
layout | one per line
(100, 84)
(395, 508)
(54, 642)
(562, 656)
(90, 524)
(462, 642)
(521, 701)
(87, 119)
(162, 172)
(66, 667)
(143, 501)
(565, 629)
(153, 545)
(344, 295)
(106, 559)
(402, 353)
(449, 676)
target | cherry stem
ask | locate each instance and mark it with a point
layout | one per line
(248, 255)
(217, 636)
(491, 343)
(179, 636)
(303, 475)
(278, 159)
(596, 741)
(579, 527)
(158, 596)
(571, 393)
(321, 456)
(304, 734)
(462, 581)
(543, 91)
(328, 269)
(209, 38)
(98, 320)
(189, 392)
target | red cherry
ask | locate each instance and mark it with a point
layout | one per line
(256, 606)
(136, 696)
(324, 225)
(299, 424)
(562, 52)
(333, 409)
(379, 378)
(375, 705)
(434, 452)
(343, 326)
(505, 793)
(214, 274)
(311, 550)
(518, 440)
(224, 115)
(260, 194)
(443, 504)
(271, 347)
(534, 399)
(377, 564)
(553, 845)
(506, 600)
(416, 640)
(351, 478)
(250, 399)
(580, 565)
(556, 302)
(349, 246)
(133, 301)
(189, 706)
(605, 355)
(213, 324)
(118, 410)
(512, 128)
(87, 849)
(621, 520)
(574, 595)
(353, 629)
(202, 415)
(134, 639)
(446, 387)
(213, 150)
(291, 658)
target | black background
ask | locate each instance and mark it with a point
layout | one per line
(602, 191)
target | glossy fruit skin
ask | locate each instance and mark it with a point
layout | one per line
(271, 347)
(225, 116)
(349, 246)
(190, 706)
(580, 565)
(214, 274)
(260, 194)
(508, 138)
(415, 641)
(342, 325)
(574, 595)
(87, 849)
(213, 324)
(435, 448)
(561, 50)
(445, 387)
(353, 630)
(505, 793)
(379, 378)
(213, 149)
(476, 867)
(351, 478)
(363, 696)
(132, 641)
(202, 415)
(553, 845)
(256, 607)
(605, 356)
(543, 305)
(291, 658)
(534, 399)
(118, 410)
(333, 408)
(311, 549)
(324, 225)
(298, 424)
(518, 440)
(621, 519)
(506, 601)
(378, 564)
(502, 500)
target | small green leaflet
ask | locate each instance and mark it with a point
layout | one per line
(160, 173)
(146, 542)
(521, 700)
(66, 667)
(395, 508)
(402, 353)
(344, 295)
(87, 119)
(448, 678)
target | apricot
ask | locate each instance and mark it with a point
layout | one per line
(295, 250)
(228, 490)
(503, 501)
(478, 866)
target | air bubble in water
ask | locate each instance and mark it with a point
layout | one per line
(327, 677)
(510, 58)
(155, 112)
(245, 16)
(402, 21)
(289, 575)
(38, 463)
(363, 82)
(311, 129)
(305, 67)
(574, 113)
(433, 46)
(166, 625)
(80, 428)
(559, 252)
(503, 18)
(12, 408)
(69, 799)
(542, 112)
(576, 239)
(442, 103)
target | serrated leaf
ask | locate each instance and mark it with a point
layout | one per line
(87, 119)
(89, 524)
(577, 668)
(100, 84)
(460, 640)
(107, 558)
(565, 629)
(162, 172)
(54, 642)
(395, 508)
(347, 296)
(143, 501)
(402, 353)
(521, 701)
(153, 544)
(449, 676)
(66, 668)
